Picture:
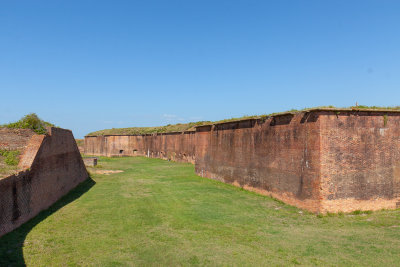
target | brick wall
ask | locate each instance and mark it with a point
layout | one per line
(15, 139)
(277, 157)
(322, 160)
(56, 167)
(360, 159)
(171, 146)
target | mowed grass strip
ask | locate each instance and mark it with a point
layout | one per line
(160, 213)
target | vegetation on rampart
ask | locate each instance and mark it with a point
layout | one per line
(376, 107)
(10, 156)
(8, 162)
(30, 121)
(181, 127)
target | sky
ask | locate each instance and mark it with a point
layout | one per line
(91, 65)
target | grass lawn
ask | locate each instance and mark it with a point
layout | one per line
(160, 213)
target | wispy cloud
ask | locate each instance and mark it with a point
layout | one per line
(113, 122)
(172, 118)
(196, 118)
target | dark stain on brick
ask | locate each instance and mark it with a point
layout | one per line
(15, 210)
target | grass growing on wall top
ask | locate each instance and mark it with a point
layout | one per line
(30, 121)
(376, 107)
(180, 127)
(10, 156)
(159, 213)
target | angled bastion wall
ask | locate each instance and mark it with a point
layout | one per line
(52, 166)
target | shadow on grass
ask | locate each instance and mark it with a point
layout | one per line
(11, 244)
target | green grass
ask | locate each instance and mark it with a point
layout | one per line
(180, 127)
(10, 156)
(8, 162)
(159, 213)
(30, 121)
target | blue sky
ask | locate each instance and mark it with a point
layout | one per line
(90, 65)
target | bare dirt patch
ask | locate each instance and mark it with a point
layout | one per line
(106, 172)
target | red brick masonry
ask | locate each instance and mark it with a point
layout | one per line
(322, 160)
(53, 166)
(15, 139)
(170, 146)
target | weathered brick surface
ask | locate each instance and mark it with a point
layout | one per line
(15, 139)
(171, 146)
(57, 167)
(320, 160)
(278, 157)
(323, 161)
(29, 154)
(360, 160)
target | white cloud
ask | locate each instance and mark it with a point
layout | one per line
(196, 118)
(172, 118)
(113, 122)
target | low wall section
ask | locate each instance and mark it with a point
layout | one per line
(171, 146)
(53, 166)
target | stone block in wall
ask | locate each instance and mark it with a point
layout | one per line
(90, 161)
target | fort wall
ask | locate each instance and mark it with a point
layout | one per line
(322, 160)
(170, 146)
(52, 167)
(279, 157)
(360, 161)
(15, 139)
